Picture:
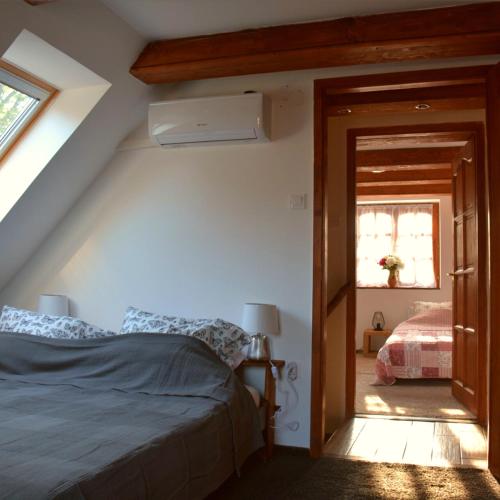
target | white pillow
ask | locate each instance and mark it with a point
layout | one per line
(420, 306)
(226, 339)
(15, 320)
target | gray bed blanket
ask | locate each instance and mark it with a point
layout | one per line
(127, 417)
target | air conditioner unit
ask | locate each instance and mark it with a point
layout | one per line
(209, 120)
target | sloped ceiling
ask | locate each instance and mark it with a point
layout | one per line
(91, 34)
(164, 19)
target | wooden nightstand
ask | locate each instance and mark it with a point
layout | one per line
(269, 396)
(367, 335)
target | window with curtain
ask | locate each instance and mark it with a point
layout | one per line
(410, 231)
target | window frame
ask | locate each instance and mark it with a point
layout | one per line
(32, 81)
(436, 249)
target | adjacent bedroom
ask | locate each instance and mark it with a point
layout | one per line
(418, 283)
(404, 327)
(417, 248)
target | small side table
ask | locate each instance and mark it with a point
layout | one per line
(269, 396)
(367, 336)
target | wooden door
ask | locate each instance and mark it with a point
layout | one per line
(493, 128)
(466, 356)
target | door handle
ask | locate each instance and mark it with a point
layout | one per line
(468, 160)
(469, 270)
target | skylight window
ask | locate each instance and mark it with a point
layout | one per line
(22, 98)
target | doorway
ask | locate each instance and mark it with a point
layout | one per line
(403, 211)
(462, 88)
(413, 306)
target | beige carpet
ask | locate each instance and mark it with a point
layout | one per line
(292, 475)
(415, 398)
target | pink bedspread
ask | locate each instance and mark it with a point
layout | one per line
(418, 348)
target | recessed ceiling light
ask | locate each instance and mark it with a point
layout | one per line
(344, 111)
(422, 106)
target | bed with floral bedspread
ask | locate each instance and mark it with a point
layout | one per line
(420, 347)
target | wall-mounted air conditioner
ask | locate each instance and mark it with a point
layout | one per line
(209, 120)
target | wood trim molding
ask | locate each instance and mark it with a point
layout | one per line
(337, 298)
(493, 128)
(27, 76)
(319, 300)
(351, 213)
(436, 249)
(468, 30)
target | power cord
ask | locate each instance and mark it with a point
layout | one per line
(286, 408)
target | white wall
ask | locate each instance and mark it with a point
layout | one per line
(199, 231)
(93, 36)
(394, 303)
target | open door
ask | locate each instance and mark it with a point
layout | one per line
(466, 328)
(493, 139)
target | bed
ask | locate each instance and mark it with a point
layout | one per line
(418, 348)
(130, 416)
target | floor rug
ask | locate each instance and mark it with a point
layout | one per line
(292, 475)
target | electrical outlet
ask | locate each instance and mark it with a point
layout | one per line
(292, 371)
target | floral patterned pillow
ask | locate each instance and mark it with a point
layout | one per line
(15, 320)
(226, 339)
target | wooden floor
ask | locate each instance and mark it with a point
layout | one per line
(411, 441)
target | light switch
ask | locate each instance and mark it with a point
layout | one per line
(297, 201)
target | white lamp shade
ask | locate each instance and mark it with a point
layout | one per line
(54, 305)
(260, 318)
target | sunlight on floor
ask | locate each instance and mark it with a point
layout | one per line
(431, 443)
(417, 398)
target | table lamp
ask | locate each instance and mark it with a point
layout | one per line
(53, 305)
(260, 319)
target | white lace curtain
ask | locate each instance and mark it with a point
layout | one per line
(404, 230)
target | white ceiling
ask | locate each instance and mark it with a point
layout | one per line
(161, 19)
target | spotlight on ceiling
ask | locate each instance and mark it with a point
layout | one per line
(422, 106)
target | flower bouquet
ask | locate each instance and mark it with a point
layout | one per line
(393, 264)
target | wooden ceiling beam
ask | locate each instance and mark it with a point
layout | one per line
(396, 190)
(439, 98)
(402, 157)
(445, 104)
(468, 30)
(408, 80)
(406, 168)
(413, 182)
(410, 140)
(440, 175)
(420, 94)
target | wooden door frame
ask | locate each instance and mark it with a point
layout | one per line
(323, 92)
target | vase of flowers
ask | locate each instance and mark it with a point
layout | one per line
(393, 264)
